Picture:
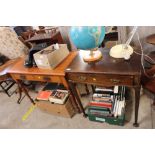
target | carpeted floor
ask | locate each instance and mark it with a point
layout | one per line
(11, 115)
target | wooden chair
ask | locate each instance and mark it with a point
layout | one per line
(28, 34)
(28, 44)
(42, 29)
(5, 78)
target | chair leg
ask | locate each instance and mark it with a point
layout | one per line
(5, 90)
(154, 101)
(86, 88)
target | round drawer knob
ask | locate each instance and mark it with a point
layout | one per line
(94, 79)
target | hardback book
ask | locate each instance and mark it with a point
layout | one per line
(44, 95)
(103, 97)
(99, 111)
(104, 89)
(59, 96)
(99, 108)
(101, 104)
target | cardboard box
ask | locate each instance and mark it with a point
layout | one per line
(49, 58)
(64, 110)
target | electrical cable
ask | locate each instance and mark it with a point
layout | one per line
(142, 57)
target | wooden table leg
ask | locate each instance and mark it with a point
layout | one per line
(87, 90)
(137, 98)
(20, 92)
(93, 88)
(154, 100)
(25, 90)
(74, 102)
(75, 93)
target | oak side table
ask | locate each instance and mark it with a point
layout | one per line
(107, 72)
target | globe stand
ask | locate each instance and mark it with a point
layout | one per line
(94, 56)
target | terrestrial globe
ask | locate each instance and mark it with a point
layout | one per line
(88, 38)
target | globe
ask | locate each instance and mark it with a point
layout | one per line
(87, 37)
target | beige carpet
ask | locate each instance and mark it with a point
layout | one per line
(11, 115)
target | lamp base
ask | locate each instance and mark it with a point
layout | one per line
(121, 51)
(93, 56)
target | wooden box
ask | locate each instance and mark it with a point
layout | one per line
(64, 110)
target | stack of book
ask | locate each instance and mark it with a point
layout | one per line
(108, 104)
(119, 102)
(102, 102)
(53, 92)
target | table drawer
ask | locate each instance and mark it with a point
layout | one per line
(101, 79)
(37, 78)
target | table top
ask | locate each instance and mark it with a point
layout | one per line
(42, 36)
(107, 65)
(19, 68)
(151, 39)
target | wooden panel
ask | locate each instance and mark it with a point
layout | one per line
(101, 79)
(65, 110)
(37, 78)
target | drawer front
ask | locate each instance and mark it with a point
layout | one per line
(37, 78)
(102, 79)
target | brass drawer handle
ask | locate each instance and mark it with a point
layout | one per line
(115, 81)
(82, 78)
(94, 79)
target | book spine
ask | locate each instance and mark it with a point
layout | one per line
(99, 109)
(104, 90)
(105, 112)
(102, 99)
(101, 104)
(101, 95)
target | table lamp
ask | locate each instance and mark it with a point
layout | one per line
(123, 50)
(88, 38)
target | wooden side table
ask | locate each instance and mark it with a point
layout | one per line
(107, 72)
(19, 73)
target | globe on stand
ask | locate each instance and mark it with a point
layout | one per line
(88, 38)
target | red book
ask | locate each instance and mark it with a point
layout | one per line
(101, 104)
(44, 95)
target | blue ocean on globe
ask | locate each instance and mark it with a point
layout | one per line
(87, 37)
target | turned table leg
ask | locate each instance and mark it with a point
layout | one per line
(87, 90)
(20, 92)
(75, 93)
(22, 88)
(137, 98)
(154, 101)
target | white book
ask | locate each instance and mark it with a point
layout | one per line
(116, 109)
(115, 89)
